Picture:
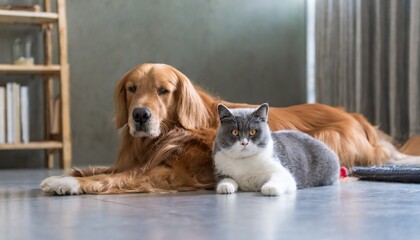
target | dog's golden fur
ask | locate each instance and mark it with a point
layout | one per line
(175, 151)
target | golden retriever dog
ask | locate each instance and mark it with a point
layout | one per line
(168, 125)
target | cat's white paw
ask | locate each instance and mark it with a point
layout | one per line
(61, 185)
(270, 189)
(226, 186)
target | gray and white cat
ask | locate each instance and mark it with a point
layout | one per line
(248, 156)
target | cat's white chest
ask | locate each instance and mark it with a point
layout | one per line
(250, 173)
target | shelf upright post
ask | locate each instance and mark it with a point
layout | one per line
(64, 86)
(48, 87)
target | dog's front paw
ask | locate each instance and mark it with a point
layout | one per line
(61, 185)
(270, 189)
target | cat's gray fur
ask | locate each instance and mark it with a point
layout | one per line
(270, 159)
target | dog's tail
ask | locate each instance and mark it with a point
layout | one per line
(407, 154)
(384, 151)
(412, 146)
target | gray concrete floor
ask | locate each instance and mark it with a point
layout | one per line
(356, 210)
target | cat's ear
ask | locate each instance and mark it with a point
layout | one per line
(262, 112)
(223, 111)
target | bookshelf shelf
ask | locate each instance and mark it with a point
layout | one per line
(56, 99)
(13, 16)
(32, 145)
(33, 69)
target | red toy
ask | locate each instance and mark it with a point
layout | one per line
(343, 172)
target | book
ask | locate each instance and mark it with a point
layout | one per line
(13, 113)
(24, 113)
(9, 114)
(2, 115)
(16, 113)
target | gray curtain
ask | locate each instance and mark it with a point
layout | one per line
(368, 61)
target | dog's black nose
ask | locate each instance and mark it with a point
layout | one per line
(141, 115)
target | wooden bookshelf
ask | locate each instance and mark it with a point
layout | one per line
(49, 21)
(13, 16)
(31, 69)
(32, 145)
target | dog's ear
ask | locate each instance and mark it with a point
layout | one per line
(192, 112)
(120, 98)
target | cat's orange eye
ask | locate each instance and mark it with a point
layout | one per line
(235, 132)
(252, 132)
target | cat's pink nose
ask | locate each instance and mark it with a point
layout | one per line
(244, 144)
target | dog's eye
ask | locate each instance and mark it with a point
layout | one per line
(132, 89)
(162, 90)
